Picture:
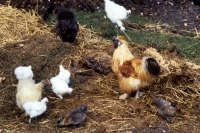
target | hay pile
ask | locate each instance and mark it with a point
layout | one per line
(178, 83)
(18, 25)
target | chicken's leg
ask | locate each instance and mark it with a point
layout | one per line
(138, 94)
(120, 24)
(124, 96)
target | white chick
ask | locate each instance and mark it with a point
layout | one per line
(64, 74)
(34, 109)
(60, 87)
(23, 72)
(116, 13)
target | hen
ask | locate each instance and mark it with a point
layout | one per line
(164, 108)
(116, 13)
(60, 87)
(132, 73)
(74, 117)
(66, 25)
(60, 83)
(28, 91)
(34, 109)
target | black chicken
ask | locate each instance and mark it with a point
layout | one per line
(66, 25)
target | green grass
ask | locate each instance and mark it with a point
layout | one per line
(97, 21)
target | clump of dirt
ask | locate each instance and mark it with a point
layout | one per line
(99, 61)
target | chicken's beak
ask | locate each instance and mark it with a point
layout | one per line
(115, 44)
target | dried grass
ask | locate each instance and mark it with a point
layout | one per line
(18, 25)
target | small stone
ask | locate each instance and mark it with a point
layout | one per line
(185, 24)
(21, 45)
(2, 79)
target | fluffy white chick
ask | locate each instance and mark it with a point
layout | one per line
(64, 74)
(60, 87)
(34, 109)
(116, 13)
(23, 72)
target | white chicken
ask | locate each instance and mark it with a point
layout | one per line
(28, 91)
(34, 109)
(64, 74)
(23, 72)
(116, 13)
(60, 87)
(60, 83)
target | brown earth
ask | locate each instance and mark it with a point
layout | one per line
(100, 92)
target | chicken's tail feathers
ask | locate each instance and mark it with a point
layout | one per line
(151, 65)
(44, 100)
(30, 66)
(69, 90)
(61, 68)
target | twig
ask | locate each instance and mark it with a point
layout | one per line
(196, 31)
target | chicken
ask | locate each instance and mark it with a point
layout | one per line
(60, 83)
(132, 74)
(116, 13)
(64, 74)
(34, 109)
(28, 91)
(23, 72)
(74, 117)
(66, 25)
(60, 87)
(164, 108)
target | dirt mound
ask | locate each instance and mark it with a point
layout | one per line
(178, 82)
